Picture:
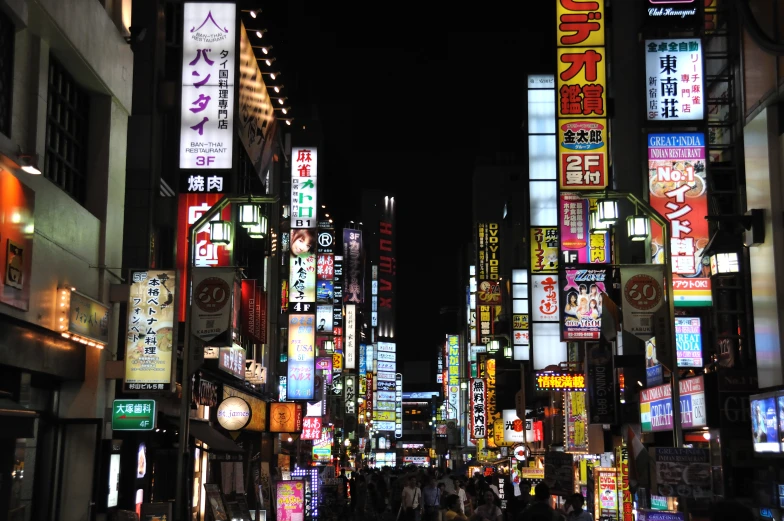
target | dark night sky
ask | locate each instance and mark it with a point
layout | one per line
(407, 99)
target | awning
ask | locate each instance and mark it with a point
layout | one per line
(217, 442)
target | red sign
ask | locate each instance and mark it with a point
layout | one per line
(311, 428)
(325, 266)
(261, 313)
(253, 320)
(190, 208)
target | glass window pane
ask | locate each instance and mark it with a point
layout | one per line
(520, 291)
(519, 306)
(544, 203)
(546, 341)
(541, 157)
(541, 111)
(519, 276)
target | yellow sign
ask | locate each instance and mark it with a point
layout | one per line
(547, 381)
(498, 434)
(544, 250)
(383, 415)
(582, 25)
(520, 322)
(581, 82)
(149, 339)
(337, 362)
(258, 408)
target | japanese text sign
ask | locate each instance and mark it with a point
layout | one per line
(350, 345)
(302, 266)
(544, 298)
(573, 227)
(453, 350)
(301, 357)
(304, 209)
(582, 93)
(642, 290)
(575, 422)
(673, 69)
(581, 302)
(290, 500)
(149, 340)
(311, 428)
(208, 68)
(325, 266)
(88, 318)
(493, 413)
(677, 182)
(285, 417)
(477, 400)
(544, 250)
(488, 269)
(350, 393)
(232, 361)
(133, 415)
(566, 381)
(353, 286)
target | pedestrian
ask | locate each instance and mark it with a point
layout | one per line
(540, 509)
(574, 509)
(488, 510)
(453, 509)
(431, 494)
(465, 504)
(411, 502)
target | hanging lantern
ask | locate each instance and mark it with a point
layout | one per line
(637, 227)
(595, 225)
(220, 232)
(260, 229)
(248, 214)
(607, 211)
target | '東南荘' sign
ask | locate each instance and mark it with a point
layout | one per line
(133, 415)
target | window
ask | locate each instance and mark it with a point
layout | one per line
(7, 34)
(66, 132)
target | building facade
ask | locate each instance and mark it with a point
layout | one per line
(65, 99)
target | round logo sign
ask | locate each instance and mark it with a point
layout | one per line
(642, 292)
(325, 239)
(234, 413)
(212, 294)
(519, 452)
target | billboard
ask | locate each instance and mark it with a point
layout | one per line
(678, 186)
(304, 204)
(353, 277)
(453, 350)
(302, 266)
(581, 302)
(544, 250)
(488, 268)
(674, 86)
(688, 341)
(301, 357)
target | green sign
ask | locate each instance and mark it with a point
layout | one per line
(133, 415)
(658, 502)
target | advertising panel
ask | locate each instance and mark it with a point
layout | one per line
(581, 297)
(601, 382)
(233, 413)
(290, 500)
(149, 340)
(258, 407)
(673, 13)
(573, 228)
(232, 360)
(676, 166)
(488, 269)
(606, 497)
(688, 341)
(656, 408)
(325, 266)
(301, 357)
(350, 349)
(575, 422)
(212, 308)
(693, 411)
(453, 348)
(545, 298)
(544, 250)
(323, 319)
(685, 473)
(477, 399)
(311, 428)
(354, 283)
(398, 405)
(302, 266)
(514, 427)
(764, 423)
(304, 205)
(583, 153)
(673, 68)
(89, 318)
(563, 381)
(207, 107)
(17, 227)
(642, 291)
(285, 417)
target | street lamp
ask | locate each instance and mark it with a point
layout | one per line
(637, 227)
(223, 232)
(607, 209)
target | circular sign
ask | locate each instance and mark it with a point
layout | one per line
(519, 452)
(234, 413)
(212, 294)
(642, 292)
(325, 239)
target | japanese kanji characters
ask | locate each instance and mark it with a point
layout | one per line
(674, 86)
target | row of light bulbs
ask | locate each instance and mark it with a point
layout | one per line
(268, 62)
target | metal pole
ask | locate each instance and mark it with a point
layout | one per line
(183, 495)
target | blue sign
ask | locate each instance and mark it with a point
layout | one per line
(654, 376)
(362, 359)
(688, 342)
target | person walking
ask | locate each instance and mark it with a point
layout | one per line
(410, 502)
(461, 494)
(540, 509)
(574, 509)
(488, 510)
(431, 495)
(453, 509)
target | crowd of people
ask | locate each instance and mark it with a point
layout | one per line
(416, 494)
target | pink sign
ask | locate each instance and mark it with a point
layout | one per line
(573, 228)
(290, 498)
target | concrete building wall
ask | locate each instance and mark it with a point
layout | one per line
(74, 245)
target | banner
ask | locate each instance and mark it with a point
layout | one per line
(213, 300)
(488, 268)
(544, 295)
(478, 412)
(350, 350)
(575, 422)
(304, 207)
(301, 357)
(601, 382)
(324, 319)
(676, 167)
(353, 260)
(573, 228)
(642, 290)
(673, 70)
(581, 298)
(149, 341)
(453, 350)
(290, 500)
(251, 311)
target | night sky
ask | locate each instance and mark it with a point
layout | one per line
(408, 99)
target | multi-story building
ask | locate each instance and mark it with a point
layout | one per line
(66, 73)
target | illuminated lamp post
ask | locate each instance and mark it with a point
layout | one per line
(220, 232)
(637, 225)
